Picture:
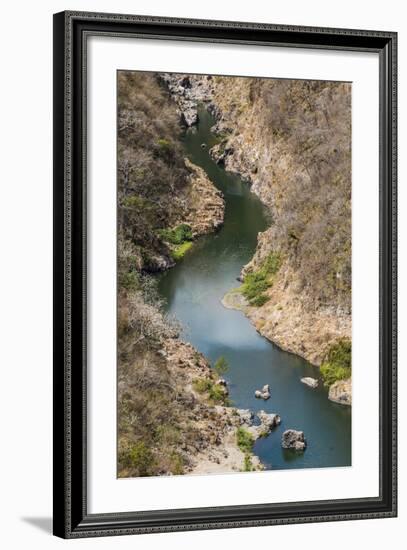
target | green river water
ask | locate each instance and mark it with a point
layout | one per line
(193, 290)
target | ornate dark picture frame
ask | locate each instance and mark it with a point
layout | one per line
(71, 518)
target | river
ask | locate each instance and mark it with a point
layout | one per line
(193, 290)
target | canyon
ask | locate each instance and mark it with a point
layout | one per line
(169, 207)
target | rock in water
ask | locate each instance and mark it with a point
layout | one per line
(190, 114)
(267, 420)
(341, 392)
(311, 382)
(293, 439)
(267, 423)
(264, 393)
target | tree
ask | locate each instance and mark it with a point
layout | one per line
(221, 366)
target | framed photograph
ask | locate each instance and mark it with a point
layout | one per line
(224, 274)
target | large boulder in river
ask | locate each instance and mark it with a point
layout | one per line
(341, 392)
(311, 382)
(264, 393)
(293, 439)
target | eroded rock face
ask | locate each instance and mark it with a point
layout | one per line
(311, 382)
(187, 92)
(293, 439)
(206, 204)
(219, 153)
(341, 392)
(246, 416)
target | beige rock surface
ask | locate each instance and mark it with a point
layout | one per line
(341, 392)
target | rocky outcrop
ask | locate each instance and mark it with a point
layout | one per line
(206, 206)
(215, 450)
(187, 91)
(311, 382)
(264, 393)
(225, 456)
(341, 392)
(246, 416)
(234, 299)
(220, 153)
(293, 439)
(268, 421)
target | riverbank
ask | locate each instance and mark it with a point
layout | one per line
(217, 450)
(168, 423)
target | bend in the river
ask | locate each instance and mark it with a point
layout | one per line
(193, 290)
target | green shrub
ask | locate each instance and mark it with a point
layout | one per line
(245, 440)
(259, 300)
(166, 435)
(137, 456)
(181, 250)
(271, 264)
(201, 385)
(217, 393)
(134, 202)
(257, 282)
(176, 464)
(164, 144)
(181, 236)
(221, 366)
(177, 235)
(338, 363)
(247, 465)
(129, 280)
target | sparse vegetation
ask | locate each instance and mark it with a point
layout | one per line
(338, 363)
(304, 127)
(180, 238)
(152, 175)
(137, 457)
(215, 392)
(221, 366)
(155, 430)
(245, 442)
(202, 385)
(248, 465)
(257, 282)
(178, 235)
(179, 251)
